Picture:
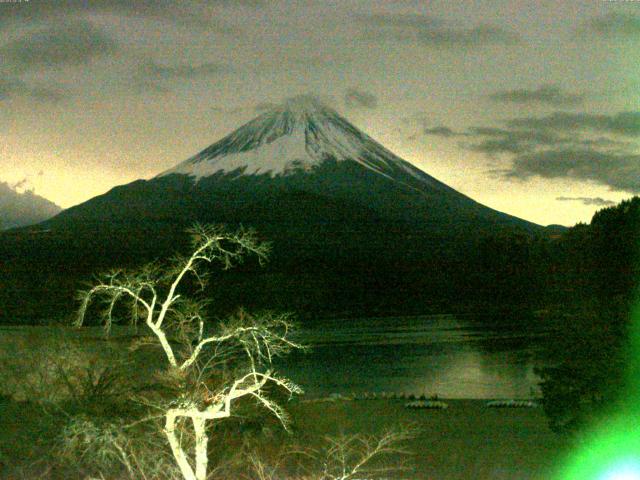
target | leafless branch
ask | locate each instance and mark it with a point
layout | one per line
(178, 324)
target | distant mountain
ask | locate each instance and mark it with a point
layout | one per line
(20, 209)
(353, 225)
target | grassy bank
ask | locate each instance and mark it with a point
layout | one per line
(465, 441)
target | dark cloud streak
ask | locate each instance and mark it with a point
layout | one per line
(545, 94)
(16, 88)
(613, 25)
(535, 136)
(577, 146)
(499, 145)
(597, 201)
(354, 97)
(618, 171)
(183, 71)
(432, 31)
(623, 123)
(72, 43)
(441, 131)
(187, 12)
(152, 76)
(500, 140)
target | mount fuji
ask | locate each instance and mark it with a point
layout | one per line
(298, 136)
(351, 223)
(298, 151)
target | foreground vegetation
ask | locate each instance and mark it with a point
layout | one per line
(465, 441)
(106, 422)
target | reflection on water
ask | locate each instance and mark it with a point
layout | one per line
(449, 356)
(440, 354)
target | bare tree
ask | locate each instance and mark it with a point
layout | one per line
(350, 457)
(343, 457)
(195, 352)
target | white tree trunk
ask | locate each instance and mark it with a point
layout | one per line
(202, 460)
(176, 448)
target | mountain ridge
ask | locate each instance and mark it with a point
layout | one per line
(298, 134)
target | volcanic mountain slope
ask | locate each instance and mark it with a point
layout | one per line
(298, 136)
(301, 149)
(342, 211)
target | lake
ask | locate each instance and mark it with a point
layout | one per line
(482, 357)
(445, 355)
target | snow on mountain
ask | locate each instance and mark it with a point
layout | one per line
(304, 162)
(299, 134)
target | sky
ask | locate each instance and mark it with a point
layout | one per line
(529, 107)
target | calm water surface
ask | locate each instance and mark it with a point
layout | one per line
(453, 357)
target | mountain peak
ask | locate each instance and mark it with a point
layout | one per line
(302, 105)
(296, 110)
(300, 134)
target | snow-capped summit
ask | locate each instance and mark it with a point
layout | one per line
(303, 164)
(297, 135)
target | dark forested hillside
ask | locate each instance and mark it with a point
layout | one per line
(598, 270)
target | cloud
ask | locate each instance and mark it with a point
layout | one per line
(72, 43)
(501, 140)
(535, 136)
(607, 142)
(198, 13)
(613, 25)
(615, 170)
(166, 8)
(433, 31)
(578, 146)
(529, 135)
(157, 77)
(403, 20)
(597, 201)
(26, 208)
(360, 98)
(545, 94)
(441, 131)
(16, 88)
(623, 123)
